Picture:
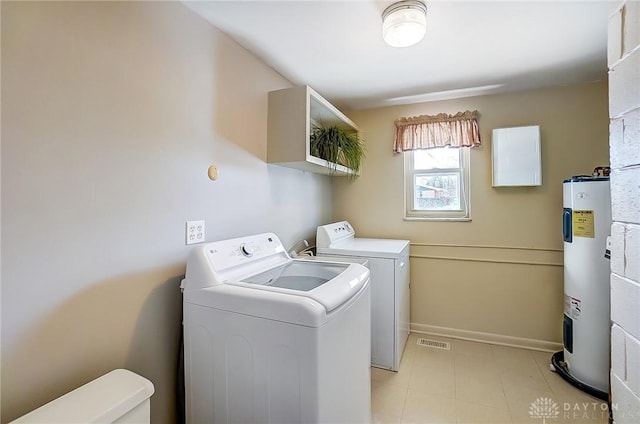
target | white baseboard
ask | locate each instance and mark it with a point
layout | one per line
(477, 336)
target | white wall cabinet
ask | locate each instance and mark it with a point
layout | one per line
(516, 156)
(292, 114)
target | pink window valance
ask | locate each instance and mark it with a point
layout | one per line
(432, 131)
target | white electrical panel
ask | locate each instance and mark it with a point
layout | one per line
(516, 156)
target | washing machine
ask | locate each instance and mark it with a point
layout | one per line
(388, 262)
(270, 339)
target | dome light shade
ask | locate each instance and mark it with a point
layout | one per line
(404, 23)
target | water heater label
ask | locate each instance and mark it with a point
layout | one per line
(583, 224)
(572, 307)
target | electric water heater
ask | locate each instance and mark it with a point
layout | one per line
(586, 327)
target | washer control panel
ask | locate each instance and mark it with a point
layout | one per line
(248, 249)
(232, 260)
(227, 254)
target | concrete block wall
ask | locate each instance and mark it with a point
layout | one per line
(624, 144)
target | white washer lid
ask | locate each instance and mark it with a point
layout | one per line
(367, 247)
(310, 308)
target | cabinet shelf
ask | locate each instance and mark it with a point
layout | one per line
(292, 114)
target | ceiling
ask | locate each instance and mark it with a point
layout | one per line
(471, 47)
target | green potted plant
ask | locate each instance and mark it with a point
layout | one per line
(338, 145)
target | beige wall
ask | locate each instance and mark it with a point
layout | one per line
(111, 114)
(488, 293)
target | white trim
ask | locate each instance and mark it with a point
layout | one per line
(491, 338)
(413, 218)
(481, 246)
(494, 261)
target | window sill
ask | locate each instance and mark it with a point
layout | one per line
(416, 218)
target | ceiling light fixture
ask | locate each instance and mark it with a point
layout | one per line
(404, 23)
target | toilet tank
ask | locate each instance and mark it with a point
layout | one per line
(120, 396)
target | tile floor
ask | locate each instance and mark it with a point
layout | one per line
(478, 383)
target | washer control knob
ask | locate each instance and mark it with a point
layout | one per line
(247, 249)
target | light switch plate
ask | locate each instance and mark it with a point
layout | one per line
(194, 232)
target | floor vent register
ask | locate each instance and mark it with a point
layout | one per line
(436, 344)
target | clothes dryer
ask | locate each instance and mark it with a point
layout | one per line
(388, 262)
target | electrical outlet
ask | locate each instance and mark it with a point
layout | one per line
(194, 232)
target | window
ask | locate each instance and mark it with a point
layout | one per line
(437, 184)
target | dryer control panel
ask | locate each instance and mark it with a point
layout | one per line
(331, 233)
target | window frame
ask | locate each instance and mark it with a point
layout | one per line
(463, 214)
